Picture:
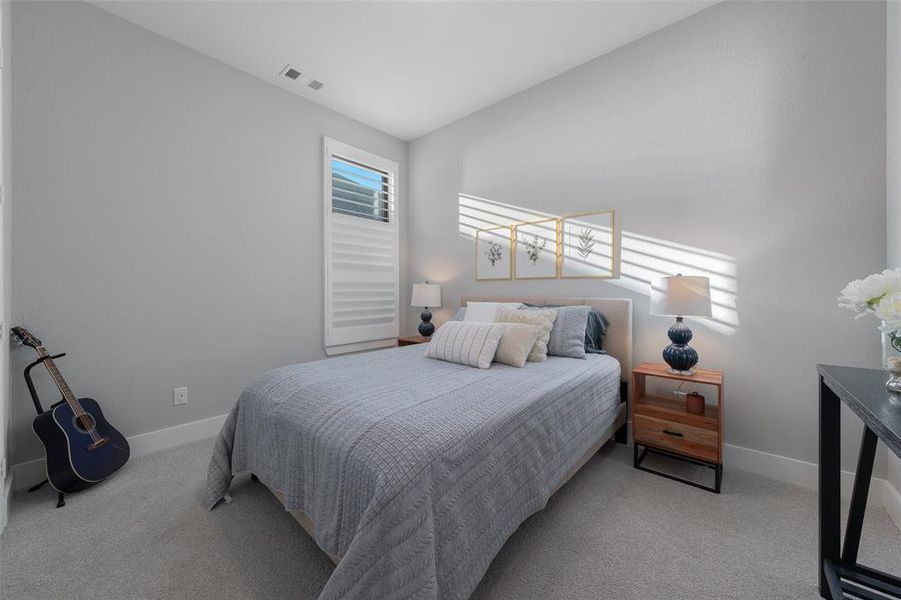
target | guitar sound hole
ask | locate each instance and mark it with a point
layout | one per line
(85, 423)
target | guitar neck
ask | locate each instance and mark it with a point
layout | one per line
(64, 389)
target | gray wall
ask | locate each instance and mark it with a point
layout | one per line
(168, 223)
(752, 130)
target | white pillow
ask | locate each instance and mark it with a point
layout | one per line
(543, 318)
(516, 343)
(485, 312)
(472, 344)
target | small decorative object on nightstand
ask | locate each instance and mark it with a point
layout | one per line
(695, 404)
(681, 296)
(409, 340)
(426, 295)
(664, 426)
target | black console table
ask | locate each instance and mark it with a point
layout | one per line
(863, 390)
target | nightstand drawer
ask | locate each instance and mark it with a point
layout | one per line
(678, 437)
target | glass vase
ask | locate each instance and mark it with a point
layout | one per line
(891, 360)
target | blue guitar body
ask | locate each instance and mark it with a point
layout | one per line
(81, 449)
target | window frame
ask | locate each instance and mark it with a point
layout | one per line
(339, 343)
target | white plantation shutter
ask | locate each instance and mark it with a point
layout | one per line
(362, 308)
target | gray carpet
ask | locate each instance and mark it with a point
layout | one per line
(612, 532)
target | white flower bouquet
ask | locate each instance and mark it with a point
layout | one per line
(879, 295)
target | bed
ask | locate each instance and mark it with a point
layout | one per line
(411, 473)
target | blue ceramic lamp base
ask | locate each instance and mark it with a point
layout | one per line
(680, 357)
(426, 328)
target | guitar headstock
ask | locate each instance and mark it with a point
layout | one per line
(25, 337)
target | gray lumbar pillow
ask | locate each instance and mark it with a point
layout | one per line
(568, 335)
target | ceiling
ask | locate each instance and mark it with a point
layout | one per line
(405, 68)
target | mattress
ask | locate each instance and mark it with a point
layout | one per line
(415, 471)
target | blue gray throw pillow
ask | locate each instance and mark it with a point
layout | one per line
(592, 336)
(568, 334)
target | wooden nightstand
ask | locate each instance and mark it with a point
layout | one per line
(663, 425)
(409, 340)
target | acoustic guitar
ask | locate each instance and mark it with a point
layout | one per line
(82, 448)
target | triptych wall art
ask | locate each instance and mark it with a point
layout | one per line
(570, 247)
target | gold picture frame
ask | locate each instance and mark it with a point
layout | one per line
(593, 252)
(536, 249)
(499, 242)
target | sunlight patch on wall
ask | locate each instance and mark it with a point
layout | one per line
(481, 213)
(643, 259)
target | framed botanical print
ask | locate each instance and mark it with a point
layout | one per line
(535, 250)
(588, 246)
(494, 259)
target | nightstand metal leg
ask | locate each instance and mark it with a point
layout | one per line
(716, 468)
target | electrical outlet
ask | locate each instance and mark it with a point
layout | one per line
(679, 394)
(179, 396)
(2, 470)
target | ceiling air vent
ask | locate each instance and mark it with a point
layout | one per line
(295, 74)
(290, 72)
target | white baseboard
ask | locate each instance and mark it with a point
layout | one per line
(798, 472)
(892, 502)
(161, 439)
(4, 509)
(29, 473)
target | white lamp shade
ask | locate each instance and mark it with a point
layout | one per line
(426, 294)
(681, 296)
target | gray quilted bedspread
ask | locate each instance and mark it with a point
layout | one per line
(415, 471)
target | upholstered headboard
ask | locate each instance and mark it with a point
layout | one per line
(617, 342)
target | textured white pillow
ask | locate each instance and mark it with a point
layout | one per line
(472, 344)
(485, 312)
(542, 318)
(516, 343)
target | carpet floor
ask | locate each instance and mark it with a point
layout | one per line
(612, 532)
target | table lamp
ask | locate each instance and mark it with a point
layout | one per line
(426, 295)
(681, 296)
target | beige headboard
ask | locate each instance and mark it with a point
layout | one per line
(617, 342)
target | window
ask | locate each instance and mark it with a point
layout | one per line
(359, 191)
(361, 249)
